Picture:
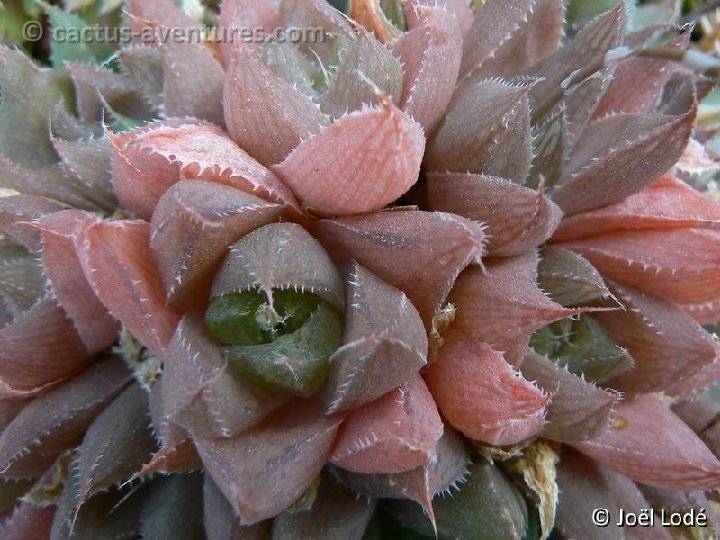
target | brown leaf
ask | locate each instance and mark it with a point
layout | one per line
(668, 346)
(649, 444)
(53, 422)
(503, 306)
(430, 53)
(262, 471)
(193, 82)
(191, 229)
(257, 102)
(420, 253)
(280, 255)
(96, 327)
(384, 344)
(28, 521)
(506, 38)
(518, 218)
(486, 131)
(221, 521)
(201, 395)
(145, 16)
(578, 410)
(569, 278)
(17, 212)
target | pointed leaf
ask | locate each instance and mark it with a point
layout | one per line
(220, 520)
(22, 282)
(328, 171)
(504, 306)
(578, 410)
(28, 521)
(667, 345)
(202, 395)
(192, 227)
(486, 131)
(144, 65)
(257, 101)
(651, 445)
(281, 457)
(193, 82)
(371, 15)
(147, 161)
(17, 213)
(430, 53)
(482, 395)
(148, 16)
(39, 349)
(421, 253)
(118, 264)
(367, 74)
(53, 422)
(518, 218)
(509, 37)
(96, 327)
(335, 513)
(393, 434)
(569, 279)
(384, 345)
(236, 15)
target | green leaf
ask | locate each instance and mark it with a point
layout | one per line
(583, 347)
(67, 46)
(298, 362)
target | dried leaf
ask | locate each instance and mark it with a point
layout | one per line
(328, 171)
(649, 444)
(518, 218)
(384, 344)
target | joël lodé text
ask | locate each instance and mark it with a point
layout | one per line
(664, 518)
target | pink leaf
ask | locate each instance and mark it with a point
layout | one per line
(651, 445)
(360, 163)
(148, 160)
(17, 212)
(482, 395)
(504, 306)
(262, 471)
(393, 434)
(96, 327)
(119, 266)
(430, 53)
(39, 349)
(421, 253)
(28, 521)
(201, 395)
(146, 16)
(253, 15)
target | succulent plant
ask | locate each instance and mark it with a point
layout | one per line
(428, 270)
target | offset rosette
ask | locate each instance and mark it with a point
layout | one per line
(275, 307)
